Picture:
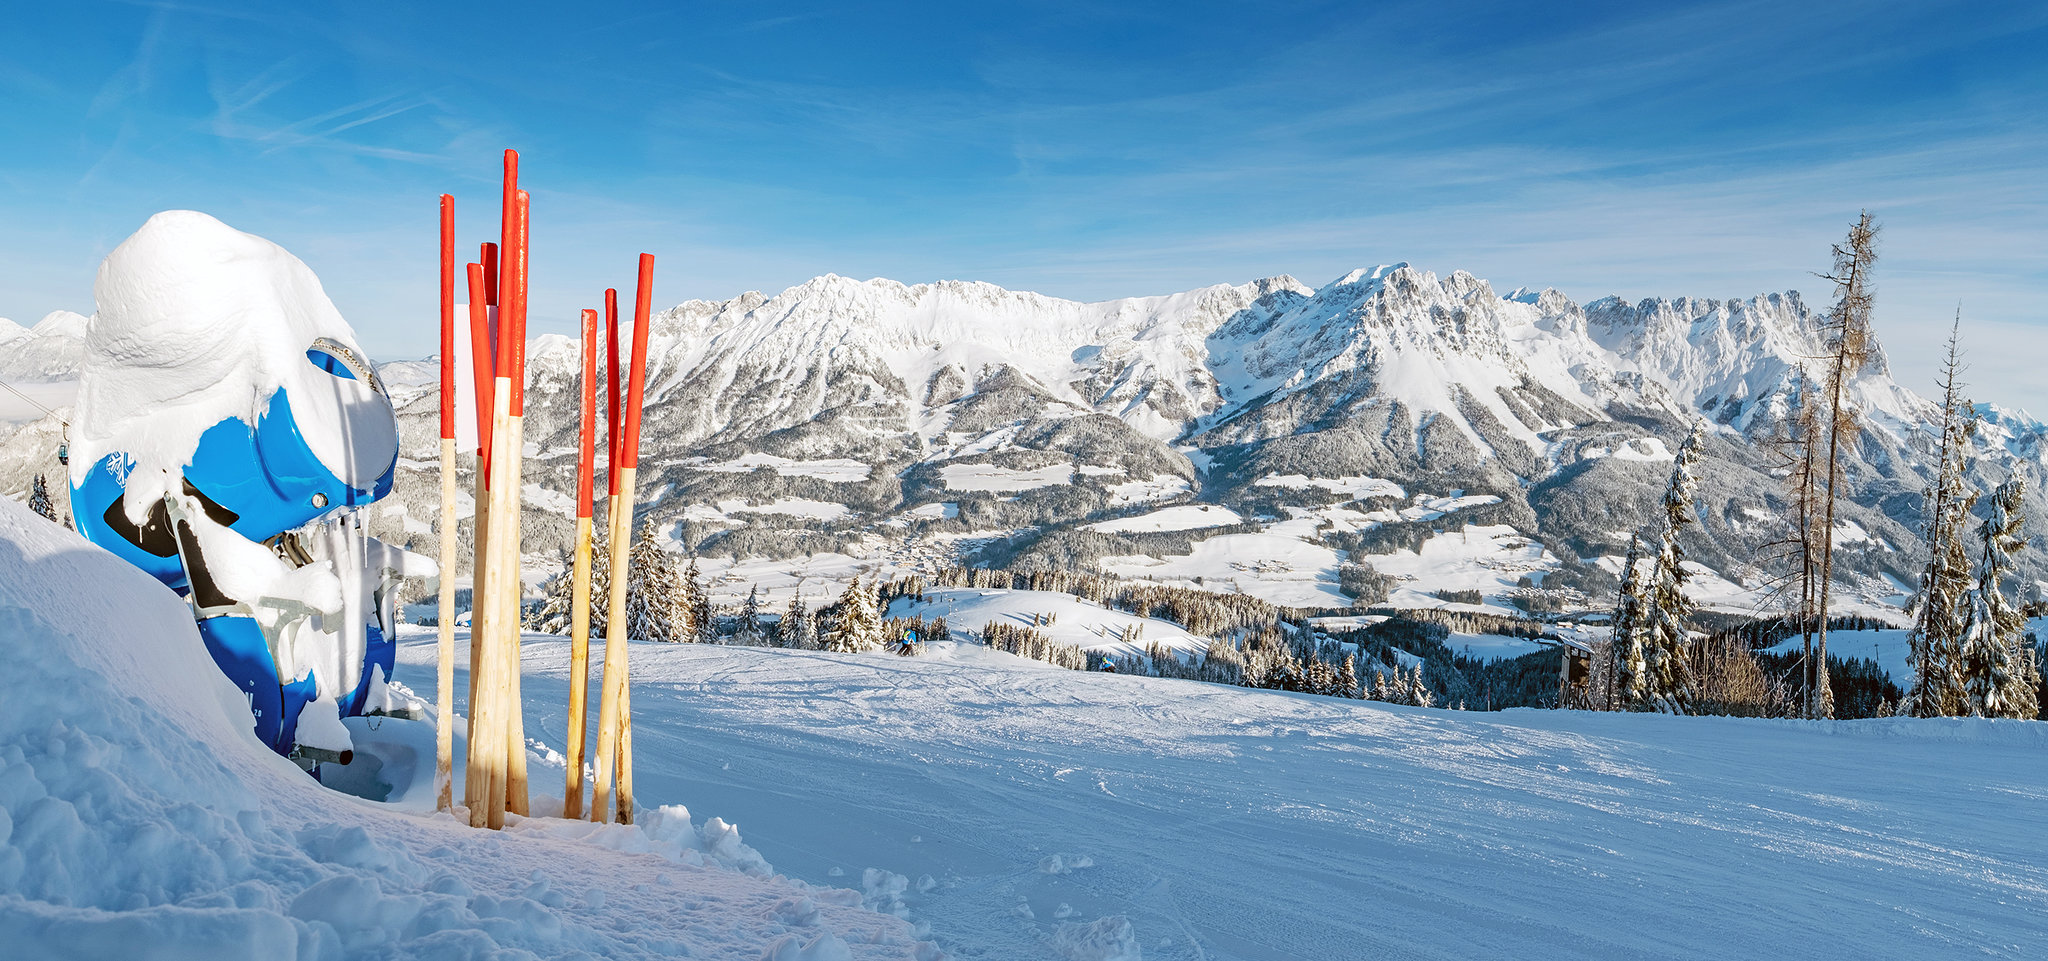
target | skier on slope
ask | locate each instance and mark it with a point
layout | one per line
(228, 429)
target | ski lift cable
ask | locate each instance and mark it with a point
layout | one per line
(32, 402)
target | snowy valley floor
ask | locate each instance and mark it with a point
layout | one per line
(1235, 824)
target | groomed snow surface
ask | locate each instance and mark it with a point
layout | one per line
(139, 818)
(1019, 811)
(1016, 807)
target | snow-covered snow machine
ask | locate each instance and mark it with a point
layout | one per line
(229, 431)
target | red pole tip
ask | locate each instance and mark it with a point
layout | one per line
(636, 387)
(586, 452)
(488, 256)
(514, 351)
(447, 272)
(613, 416)
(479, 343)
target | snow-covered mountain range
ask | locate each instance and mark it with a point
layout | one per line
(1364, 421)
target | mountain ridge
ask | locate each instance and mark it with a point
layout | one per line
(1027, 417)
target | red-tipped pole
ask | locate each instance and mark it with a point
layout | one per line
(615, 708)
(444, 734)
(512, 369)
(476, 780)
(579, 584)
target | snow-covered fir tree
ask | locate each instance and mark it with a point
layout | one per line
(748, 630)
(1626, 672)
(1419, 693)
(856, 621)
(552, 617)
(697, 607)
(1995, 655)
(1666, 680)
(1347, 678)
(798, 628)
(1381, 690)
(655, 608)
(1941, 608)
(1319, 678)
(39, 499)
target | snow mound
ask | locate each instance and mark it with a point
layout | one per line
(137, 809)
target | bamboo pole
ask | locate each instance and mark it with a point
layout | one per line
(499, 579)
(475, 779)
(643, 299)
(614, 746)
(579, 584)
(444, 700)
(483, 305)
(513, 350)
(614, 685)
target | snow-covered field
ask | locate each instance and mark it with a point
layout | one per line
(1186, 517)
(139, 818)
(1278, 564)
(998, 807)
(1010, 798)
(1358, 488)
(989, 477)
(1066, 618)
(838, 469)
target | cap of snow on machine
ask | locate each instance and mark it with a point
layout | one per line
(199, 322)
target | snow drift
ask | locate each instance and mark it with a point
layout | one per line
(137, 813)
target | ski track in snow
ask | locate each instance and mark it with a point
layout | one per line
(1235, 824)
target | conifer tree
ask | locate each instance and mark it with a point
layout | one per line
(1347, 678)
(654, 599)
(1320, 678)
(1666, 682)
(1942, 606)
(1626, 670)
(1381, 690)
(1419, 693)
(797, 629)
(748, 631)
(699, 625)
(39, 499)
(1995, 657)
(1848, 344)
(552, 617)
(654, 608)
(856, 622)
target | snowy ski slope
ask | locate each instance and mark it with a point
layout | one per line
(1006, 809)
(140, 818)
(999, 799)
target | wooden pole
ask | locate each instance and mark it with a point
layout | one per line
(475, 777)
(483, 307)
(615, 706)
(614, 416)
(500, 578)
(444, 699)
(579, 584)
(512, 350)
(643, 299)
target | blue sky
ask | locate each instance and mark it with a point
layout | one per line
(1081, 150)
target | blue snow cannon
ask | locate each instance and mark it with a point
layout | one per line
(259, 481)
